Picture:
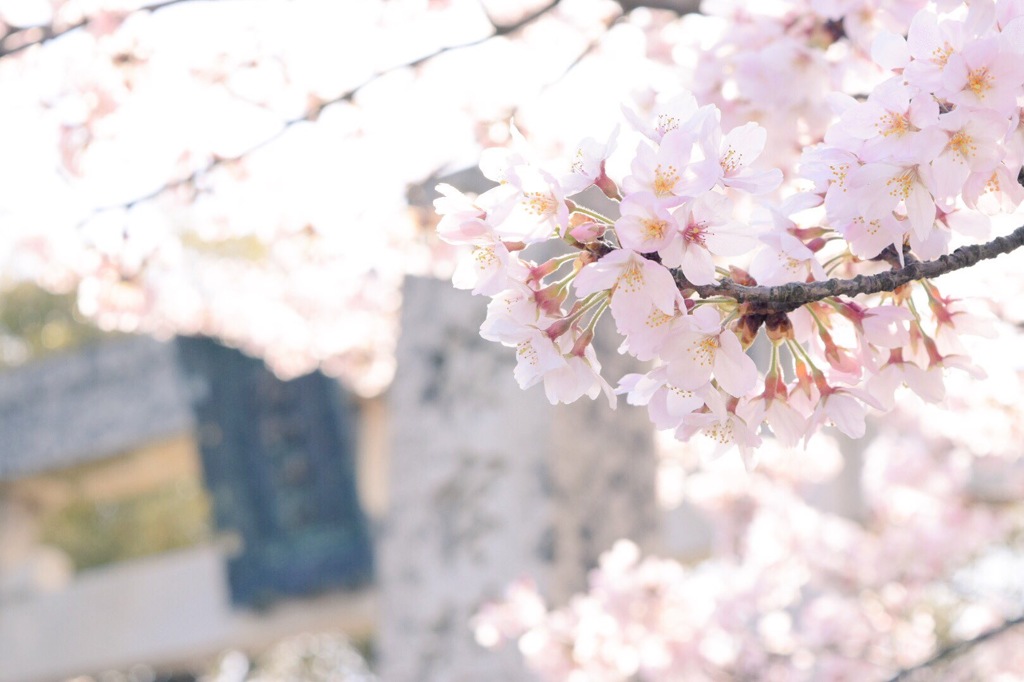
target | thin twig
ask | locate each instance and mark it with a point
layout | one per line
(680, 7)
(786, 297)
(48, 32)
(313, 112)
(958, 648)
(590, 48)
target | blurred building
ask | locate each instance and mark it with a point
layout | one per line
(161, 502)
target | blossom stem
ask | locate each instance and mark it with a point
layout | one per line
(801, 352)
(832, 263)
(605, 304)
(588, 303)
(593, 214)
(913, 309)
(817, 320)
(773, 367)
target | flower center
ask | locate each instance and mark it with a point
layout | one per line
(839, 171)
(721, 432)
(980, 81)
(665, 179)
(657, 318)
(527, 352)
(963, 144)
(900, 185)
(940, 55)
(485, 258)
(696, 233)
(703, 351)
(577, 164)
(653, 229)
(666, 124)
(993, 183)
(539, 203)
(632, 278)
(730, 161)
(893, 124)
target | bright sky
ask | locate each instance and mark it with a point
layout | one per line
(298, 253)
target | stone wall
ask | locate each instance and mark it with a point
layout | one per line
(102, 399)
(490, 483)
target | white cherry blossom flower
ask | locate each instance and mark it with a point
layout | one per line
(635, 282)
(645, 224)
(896, 124)
(883, 384)
(512, 311)
(587, 165)
(528, 207)
(646, 335)
(704, 350)
(678, 169)
(725, 428)
(739, 148)
(785, 259)
(666, 404)
(462, 221)
(983, 76)
(879, 189)
(972, 147)
(679, 113)
(537, 355)
(579, 376)
(487, 270)
(706, 227)
(843, 407)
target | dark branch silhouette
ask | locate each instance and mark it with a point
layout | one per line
(958, 649)
(786, 297)
(313, 112)
(782, 298)
(678, 6)
(48, 32)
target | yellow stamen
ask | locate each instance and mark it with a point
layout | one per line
(665, 179)
(963, 144)
(893, 124)
(653, 229)
(631, 279)
(980, 81)
(703, 351)
(730, 161)
(539, 203)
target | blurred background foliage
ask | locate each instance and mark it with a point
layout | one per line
(35, 323)
(137, 504)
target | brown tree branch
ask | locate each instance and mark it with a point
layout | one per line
(958, 649)
(786, 297)
(48, 32)
(680, 7)
(313, 112)
(591, 47)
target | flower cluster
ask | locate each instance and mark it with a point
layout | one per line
(686, 203)
(792, 592)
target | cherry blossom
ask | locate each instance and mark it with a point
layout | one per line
(706, 227)
(674, 171)
(635, 283)
(893, 151)
(703, 349)
(646, 224)
(736, 151)
(897, 174)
